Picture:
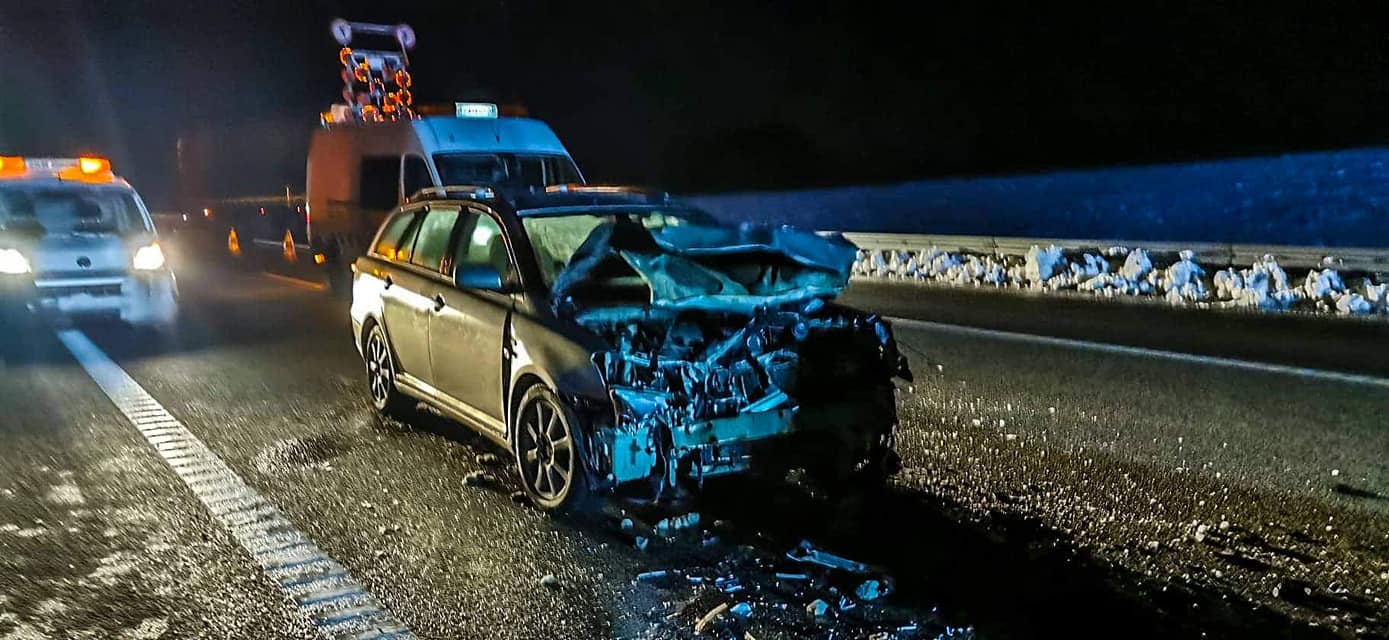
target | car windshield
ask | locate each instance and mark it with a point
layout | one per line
(505, 169)
(555, 238)
(69, 209)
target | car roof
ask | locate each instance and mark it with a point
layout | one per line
(555, 200)
(116, 182)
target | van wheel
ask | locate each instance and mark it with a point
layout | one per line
(381, 372)
(547, 453)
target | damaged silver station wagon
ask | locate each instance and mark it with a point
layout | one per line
(611, 338)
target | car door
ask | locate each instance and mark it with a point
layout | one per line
(406, 303)
(468, 329)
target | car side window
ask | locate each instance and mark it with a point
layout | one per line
(407, 242)
(415, 175)
(433, 242)
(378, 183)
(481, 242)
(393, 236)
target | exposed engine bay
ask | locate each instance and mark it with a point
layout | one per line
(726, 350)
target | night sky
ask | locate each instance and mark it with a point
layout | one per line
(698, 97)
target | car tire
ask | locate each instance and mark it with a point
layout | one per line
(547, 452)
(380, 362)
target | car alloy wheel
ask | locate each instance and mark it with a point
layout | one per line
(381, 374)
(547, 455)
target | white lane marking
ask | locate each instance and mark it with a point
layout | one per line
(1141, 352)
(296, 282)
(255, 523)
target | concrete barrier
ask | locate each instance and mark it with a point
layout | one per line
(1218, 255)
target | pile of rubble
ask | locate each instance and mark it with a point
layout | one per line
(1120, 271)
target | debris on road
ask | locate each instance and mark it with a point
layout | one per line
(710, 617)
(550, 580)
(478, 478)
(817, 609)
(669, 526)
(871, 590)
(651, 576)
(807, 553)
(829, 595)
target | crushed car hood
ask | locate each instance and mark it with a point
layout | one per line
(714, 268)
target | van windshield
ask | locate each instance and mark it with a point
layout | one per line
(69, 209)
(511, 170)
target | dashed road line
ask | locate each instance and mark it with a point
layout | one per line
(335, 603)
(1142, 352)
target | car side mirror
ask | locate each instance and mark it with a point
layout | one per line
(485, 276)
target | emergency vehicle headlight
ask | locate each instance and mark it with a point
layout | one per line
(475, 110)
(148, 258)
(12, 262)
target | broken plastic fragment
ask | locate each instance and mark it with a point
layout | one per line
(640, 542)
(846, 603)
(477, 478)
(792, 576)
(871, 590)
(742, 610)
(677, 523)
(651, 576)
(807, 553)
(710, 617)
(817, 609)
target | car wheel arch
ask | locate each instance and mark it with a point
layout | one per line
(370, 323)
(522, 383)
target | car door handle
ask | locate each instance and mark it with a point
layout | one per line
(439, 302)
(389, 282)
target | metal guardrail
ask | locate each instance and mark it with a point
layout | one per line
(1212, 254)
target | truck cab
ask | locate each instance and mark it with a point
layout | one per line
(358, 171)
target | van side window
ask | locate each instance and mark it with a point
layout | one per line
(378, 183)
(393, 236)
(415, 176)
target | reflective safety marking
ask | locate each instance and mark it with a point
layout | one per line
(323, 589)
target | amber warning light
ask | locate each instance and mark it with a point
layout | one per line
(93, 166)
(11, 165)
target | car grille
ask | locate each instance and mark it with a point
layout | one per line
(94, 290)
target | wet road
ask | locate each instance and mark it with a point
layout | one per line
(1011, 517)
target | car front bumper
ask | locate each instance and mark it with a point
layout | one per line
(135, 298)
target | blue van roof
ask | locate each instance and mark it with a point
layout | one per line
(442, 134)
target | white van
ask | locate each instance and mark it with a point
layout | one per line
(76, 240)
(359, 171)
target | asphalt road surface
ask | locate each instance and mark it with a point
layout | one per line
(1050, 489)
